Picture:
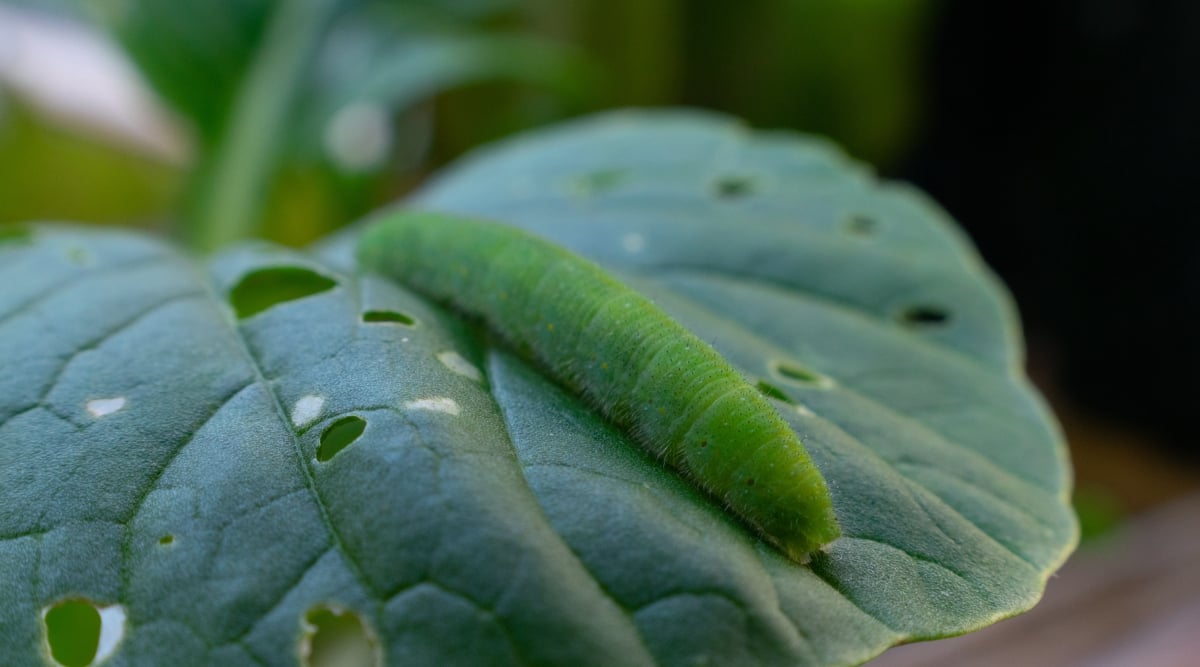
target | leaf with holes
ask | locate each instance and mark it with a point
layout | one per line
(271, 458)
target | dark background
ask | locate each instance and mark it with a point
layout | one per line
(1064, 136)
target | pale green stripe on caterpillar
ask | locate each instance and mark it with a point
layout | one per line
(672, 392)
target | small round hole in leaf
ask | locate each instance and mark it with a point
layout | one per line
(598, 181)
(861, 224)
(340, 435)
(795, 373)
(336, 637)
(733, 187)
(261, 289)
(79, 256)
(388, 316)
(924, 316)
(771, 391)
(73, 632)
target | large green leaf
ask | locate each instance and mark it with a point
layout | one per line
(235, 452)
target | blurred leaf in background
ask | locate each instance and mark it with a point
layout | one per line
(79, 139)
(848, 69)
(50, 172)
(1099, 511)
(304, 115)
(311, 92)
(368, 106)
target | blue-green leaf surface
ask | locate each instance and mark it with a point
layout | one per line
(222, 456)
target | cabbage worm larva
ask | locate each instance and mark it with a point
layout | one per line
(672, 392)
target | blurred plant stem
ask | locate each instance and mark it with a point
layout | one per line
(237, 172)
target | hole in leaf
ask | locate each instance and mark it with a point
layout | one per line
(261, 289)
(339, 435)
(443, 404)
(79, 257)
(733, 187)
(166, 540)
(15, 234)
(102, 407)
(861, 224)
(455, 362)
(774, 392)
(633, 242)
(796, 373)
(390, 316)
(924, 316)
(73, 632)
(307, 409)
(336, 637)
(598, 181)
(79, 633)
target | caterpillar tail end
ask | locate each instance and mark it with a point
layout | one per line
(800, 546)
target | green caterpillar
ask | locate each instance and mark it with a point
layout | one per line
(671, 391)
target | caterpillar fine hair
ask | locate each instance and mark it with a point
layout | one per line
(672, 392)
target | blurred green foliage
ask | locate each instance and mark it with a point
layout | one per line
(307, 114)
(1099, 511)
(106, 183)
(848, 69)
